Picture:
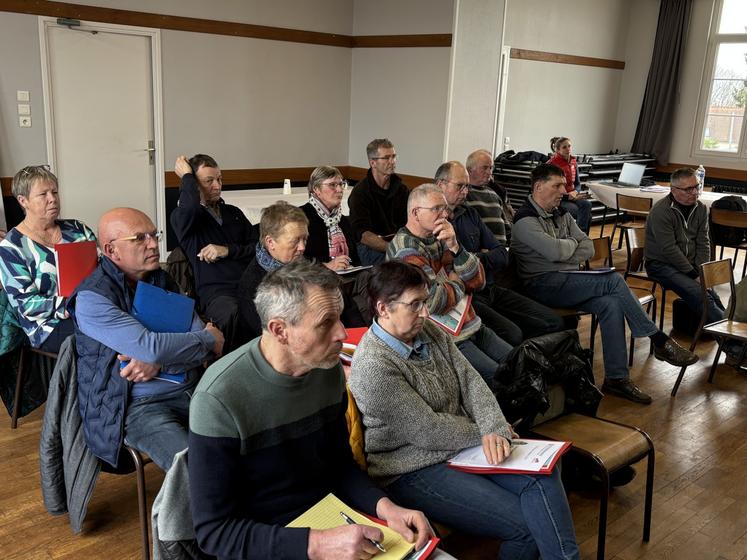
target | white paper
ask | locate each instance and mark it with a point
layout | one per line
(526, 455)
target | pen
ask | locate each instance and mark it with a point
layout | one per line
(350, 521)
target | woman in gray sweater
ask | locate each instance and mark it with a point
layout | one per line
(422, 403)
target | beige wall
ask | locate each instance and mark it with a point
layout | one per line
(549, 99)
(400, 93)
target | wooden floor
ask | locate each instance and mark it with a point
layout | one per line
(700, 499)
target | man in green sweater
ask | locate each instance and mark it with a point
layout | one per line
(268, 437)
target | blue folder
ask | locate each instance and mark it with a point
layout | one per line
(165, 312)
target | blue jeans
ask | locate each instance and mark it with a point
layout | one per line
(580, 209)
(157, 425)
(369, 256)
(608, 297)
(529, 513)
(687, 288)
(484, 350)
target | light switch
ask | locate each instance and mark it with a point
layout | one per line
(22, 95)
(24, 109)
(24, 121)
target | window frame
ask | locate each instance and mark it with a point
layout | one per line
(715, 40)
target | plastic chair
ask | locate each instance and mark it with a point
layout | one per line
(717, 273)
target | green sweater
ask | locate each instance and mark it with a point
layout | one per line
(418, 413)
(263, 448)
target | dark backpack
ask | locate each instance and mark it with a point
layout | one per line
(728, 236)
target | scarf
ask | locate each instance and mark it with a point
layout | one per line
(335, 237)
(266, 260)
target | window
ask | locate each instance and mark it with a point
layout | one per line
(724, 96)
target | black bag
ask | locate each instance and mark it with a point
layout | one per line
(521, 382)
(728, 236)
(684, 320)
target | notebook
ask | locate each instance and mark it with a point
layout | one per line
(165, 312)
(326, 515)
(74, 262)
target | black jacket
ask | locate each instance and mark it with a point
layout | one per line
(195, 227)
(317, 246)
(380, 211)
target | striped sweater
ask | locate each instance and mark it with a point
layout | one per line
(436, 261)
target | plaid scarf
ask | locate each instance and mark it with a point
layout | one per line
(331, 220)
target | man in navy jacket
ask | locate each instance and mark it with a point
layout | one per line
(217, 239)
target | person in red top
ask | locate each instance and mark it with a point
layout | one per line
(573, 202)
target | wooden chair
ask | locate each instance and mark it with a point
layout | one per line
(729, 218)
(603, 256)
(21, 378)
(631, 206)
(717, 273)
(608, 446)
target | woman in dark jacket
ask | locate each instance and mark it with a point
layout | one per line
(331, 240)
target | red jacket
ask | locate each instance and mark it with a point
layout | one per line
(569, 170)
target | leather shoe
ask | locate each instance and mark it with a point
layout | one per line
(674, 354)
(626, 389)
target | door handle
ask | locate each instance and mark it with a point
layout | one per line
(151, 151)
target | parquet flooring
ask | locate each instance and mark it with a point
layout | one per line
(700, 499)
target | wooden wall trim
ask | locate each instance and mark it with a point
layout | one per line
(391, 41)
(215, 27)
(541, 56)
(711, 172)
(267, 175)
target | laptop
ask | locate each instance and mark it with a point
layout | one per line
(630, 176)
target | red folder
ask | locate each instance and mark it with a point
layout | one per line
(348, 347)
(75, 261)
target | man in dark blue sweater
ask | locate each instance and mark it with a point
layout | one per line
(268, 437)
(512, 316)
(217, 239)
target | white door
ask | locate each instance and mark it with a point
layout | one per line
(101, 133)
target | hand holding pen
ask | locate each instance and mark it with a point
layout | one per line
(350, 521)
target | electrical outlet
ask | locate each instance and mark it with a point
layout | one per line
(22, 95)
(24, 109)
(24, 121)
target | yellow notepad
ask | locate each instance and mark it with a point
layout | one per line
(326, 515)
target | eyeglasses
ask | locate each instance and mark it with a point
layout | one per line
(688, 190)
(336, 185)
(141, 238)
(438, 209)
(34, 169)
(415, 306)
(390, 157)
(459, 186)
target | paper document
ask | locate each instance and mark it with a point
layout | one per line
(655, 188)
(527, 456)
(352, 269)
(453, 321)
(326, 515)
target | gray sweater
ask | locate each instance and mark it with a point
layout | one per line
(676, 241)
(543, 242)
(420, 413)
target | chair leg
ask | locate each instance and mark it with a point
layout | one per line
(19, 389)
(602, 533)
(593, 334)
(653, 318)
(632, 350)
(712, 372)
(604, 219)
(141, 501)
(649, 492)
(663, 307)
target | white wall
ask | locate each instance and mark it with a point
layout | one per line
(550, 99)
(255, 103)
(639, 45)
(20, 70)
(400, 93)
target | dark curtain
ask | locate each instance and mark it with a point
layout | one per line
(654, 132)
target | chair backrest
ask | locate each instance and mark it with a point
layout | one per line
(637, 205)
(731, 218)
(602, 252)
(717, 273)
(635, 247)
